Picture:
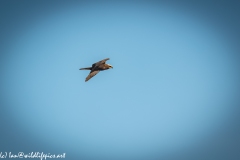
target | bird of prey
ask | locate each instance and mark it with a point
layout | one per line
(97, 67)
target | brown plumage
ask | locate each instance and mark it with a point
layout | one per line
(97, 67)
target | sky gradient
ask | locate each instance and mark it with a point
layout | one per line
(173, 92)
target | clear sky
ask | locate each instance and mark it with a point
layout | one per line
(172, 82)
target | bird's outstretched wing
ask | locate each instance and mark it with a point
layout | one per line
(91, 74)
(99, 63)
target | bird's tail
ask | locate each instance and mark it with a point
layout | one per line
(88, 68)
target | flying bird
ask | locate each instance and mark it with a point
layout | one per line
(97, 67)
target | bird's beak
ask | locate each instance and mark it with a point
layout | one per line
(112, 67)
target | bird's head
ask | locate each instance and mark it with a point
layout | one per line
(110, 66)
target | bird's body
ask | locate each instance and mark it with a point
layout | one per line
(97, 67)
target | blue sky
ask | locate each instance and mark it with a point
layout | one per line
(173, 80)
